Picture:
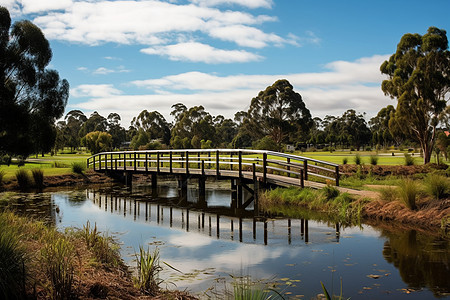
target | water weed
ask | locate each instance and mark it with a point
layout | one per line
(437, 186)
(408, 191)
(246, 289)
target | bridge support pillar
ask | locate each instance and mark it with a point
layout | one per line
(182, 188)
(128, 176)
(234, 192)
(202, 191)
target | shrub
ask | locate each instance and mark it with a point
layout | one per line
(12, 260)
(408, 191)
(373, 160)
(344, 160)
(409, 160)
(38, 177)
(78, 167)
(23, 179)
(357, 159)
(437, 185)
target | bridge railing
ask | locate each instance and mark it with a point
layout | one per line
(218, 161)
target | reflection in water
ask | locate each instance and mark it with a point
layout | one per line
(423, 260)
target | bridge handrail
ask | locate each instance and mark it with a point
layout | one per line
(270, 161)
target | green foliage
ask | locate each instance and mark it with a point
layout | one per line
(388, 194)
(246, 289)
(148, 266)
(38, 177)
(78, 167)
(357, 159)
(436, 185)
(344, 160)
(2, 174)
(58, 260)
(97, 141)
(374, 160)
(12, 262)
(266, 143)
(23, 179)
(330, 192)
(409, 160)
(408, 191)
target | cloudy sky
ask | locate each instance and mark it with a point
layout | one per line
(130, 55)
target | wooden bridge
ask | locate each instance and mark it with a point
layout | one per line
(258, 168)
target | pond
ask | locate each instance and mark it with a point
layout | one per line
(210, 244)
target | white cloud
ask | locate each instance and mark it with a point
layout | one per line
(198, 52)
(94, 91)
(34, 6)
(246, 3)
(105, 71)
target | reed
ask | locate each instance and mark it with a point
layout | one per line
(148, 267)
(58, 261)
(408, 191)
(38, 177)
(437, 186)
(245, 289)
(103, 246)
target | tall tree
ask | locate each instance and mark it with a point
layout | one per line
(96, 122)
(116, 131)
(277, 111)
(419, 78)
(154, 124)
(31, 96)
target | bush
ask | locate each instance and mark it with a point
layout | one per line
(330, 192)
(409, 160)
(23, 179)
(12, 260)
(78, 167)
(373, 160)
(344, 160)
(357, 159)
(437, 185)
(408, 192)
(38, 177)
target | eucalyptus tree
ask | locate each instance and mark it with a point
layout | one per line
(95, 122)
(278, 111)
(74, 121)
(116, 131)
(154, 125)
(32, 97)
(419, 78)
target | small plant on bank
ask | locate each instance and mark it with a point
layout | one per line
(78, 167)
(374, 160)
(148, 266)
(38, 177)
(436, 185)
(344, 160)
(104, 248)
(57, 257)
(409, 160)
(23, 179)
(388, 194)
(330, 192)
(357, 159)
(408, 191)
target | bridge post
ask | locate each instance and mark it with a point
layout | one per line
(170, 162)
(288, 167)
(202, 187)
(302, 181)
(233, 193)
(239, 193)
(135, 166)
(255, 188)
(305, 167)
(157, 162)
(187, 163)
(337, 175)
(128, 179)
(265, 168)
(100, 162)
(182, 188)
(217, 164)
(146, 161)
(124, 161)
(240, 164)
(93, 158)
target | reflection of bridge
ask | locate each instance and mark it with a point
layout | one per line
(259, 168)
(219, 222)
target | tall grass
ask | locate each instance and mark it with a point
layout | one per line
(408, 191)
(12, 263)
(374, 160)
(2, 174)
(245, 289)
(58, 260)
(103, 246)
(330, 192)
(78, 167)
(38, 177)
(357, 159)
(437, 186)
(388, 194)
(23, 179)
(148, 266)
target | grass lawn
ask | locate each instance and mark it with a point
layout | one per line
(52, 165)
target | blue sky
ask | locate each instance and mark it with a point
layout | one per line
(130, 55)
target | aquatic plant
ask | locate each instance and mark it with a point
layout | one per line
(148, 267)
(246, 289)
(437, 185)
(23, 179)
(38, 177)
(408, 191)
(78, 167)
(12, 262)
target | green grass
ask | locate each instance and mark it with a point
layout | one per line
(47, 164)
